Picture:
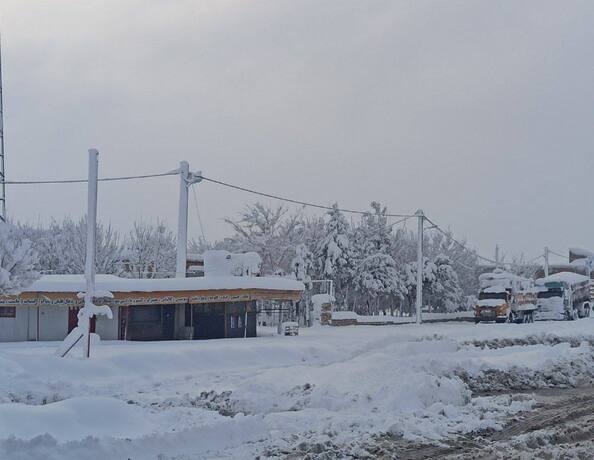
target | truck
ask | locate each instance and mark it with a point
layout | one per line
(505, 297)
(563, 296)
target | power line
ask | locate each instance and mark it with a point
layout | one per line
(198, 213)
(302, 203)
(557, 254)
(81, 181)
(486, 259)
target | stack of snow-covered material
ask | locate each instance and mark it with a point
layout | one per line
(322, 308)
(222, 263)
(499, 281)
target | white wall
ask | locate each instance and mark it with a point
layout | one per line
(53, 323)
(108, 328)
(15, 329)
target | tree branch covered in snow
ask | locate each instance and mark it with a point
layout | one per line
(17, 260)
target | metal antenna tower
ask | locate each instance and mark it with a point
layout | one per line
(2, 175)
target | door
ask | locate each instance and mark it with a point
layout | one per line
(209, 321)
(168, 322)
(73, 319)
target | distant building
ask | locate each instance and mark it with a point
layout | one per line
(216, 305)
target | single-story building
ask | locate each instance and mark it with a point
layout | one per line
(206, 307)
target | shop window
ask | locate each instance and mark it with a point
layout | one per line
(7, 312)
(145, 314)
(233, 322)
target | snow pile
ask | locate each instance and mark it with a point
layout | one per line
(75, 418)
(334, 387)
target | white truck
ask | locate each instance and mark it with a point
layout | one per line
(563, 296)
(505, 297)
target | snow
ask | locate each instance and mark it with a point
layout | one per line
(563, 277)
(240, 398)
(490, 302)
(112, 283)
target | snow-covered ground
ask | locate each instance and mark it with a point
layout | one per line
(330, 389)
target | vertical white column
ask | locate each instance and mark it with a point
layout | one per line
(419, 300)
(182, 225)
(85, 319)
(546, 261)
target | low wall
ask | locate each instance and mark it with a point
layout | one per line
(349, 318)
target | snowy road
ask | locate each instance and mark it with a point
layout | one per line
(330, 392)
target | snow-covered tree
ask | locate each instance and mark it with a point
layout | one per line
(441, 286)
(409, 273)
(270, 232)
(302, 264)
(150, 251)
(62, 247)
(18, 260)
(375, 274)
(334, 251)
(446, 293)
(334, 254)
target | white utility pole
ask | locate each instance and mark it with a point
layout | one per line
(186, 178)
(496, 256)
(419, 301)
(83, 329)
(546, 261)
(85, 318)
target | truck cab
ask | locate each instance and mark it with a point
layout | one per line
(563, 296)
(492, 305)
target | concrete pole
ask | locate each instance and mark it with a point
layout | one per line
(182, 226)
(546, 261)
(419, 300)
(91, 247)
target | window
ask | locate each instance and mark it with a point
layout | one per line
(7, 312)
(233, 322)
(240, 321)
(145, 314)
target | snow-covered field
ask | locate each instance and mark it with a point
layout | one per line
(328, 391)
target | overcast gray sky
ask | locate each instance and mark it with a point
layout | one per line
(479, 112)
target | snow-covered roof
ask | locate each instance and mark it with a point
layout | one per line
(581, 253)
(564, 277)
(111, 283)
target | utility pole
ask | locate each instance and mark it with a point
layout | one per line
(186, 179)
(496, 256)
(2, 174)
(419, 300)
(85, 319)
(546, 261)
